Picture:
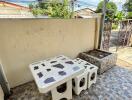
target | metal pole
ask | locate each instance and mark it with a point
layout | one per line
(102, 24)
(72, 4)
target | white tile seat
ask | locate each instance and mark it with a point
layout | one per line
(87, 78)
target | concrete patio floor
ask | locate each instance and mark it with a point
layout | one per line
(124, 56)
(124, 53)
(115, 84)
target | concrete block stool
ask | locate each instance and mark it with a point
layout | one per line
(80, 83)
(62, 92)
(90, 73)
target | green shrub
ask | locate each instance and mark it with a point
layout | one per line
(129, 15)
(114, 26)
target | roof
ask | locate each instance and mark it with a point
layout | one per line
(84, 13)
(9, 4)
(11, 10)
(85, 9)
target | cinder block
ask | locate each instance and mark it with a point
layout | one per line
(62, 91)
(79, 83)
(92, 75)
(88, 77)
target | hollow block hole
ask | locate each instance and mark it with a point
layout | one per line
(92, 77)
(82, 82)
(62, 88)
(73, 82)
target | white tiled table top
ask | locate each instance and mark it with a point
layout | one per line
(49, 74)
(85, 64)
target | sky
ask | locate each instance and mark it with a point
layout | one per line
(119, 3)
(82, 3)
(93, 3)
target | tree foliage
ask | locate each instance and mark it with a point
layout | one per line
(119, 16)
(128, 8)
(52, 9)
(129, 15)
(111, 9)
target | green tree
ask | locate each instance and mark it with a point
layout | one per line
(129, 15)
(111, 9)
(128, 8)
(31, 6)
(119, 16)
(53, 9)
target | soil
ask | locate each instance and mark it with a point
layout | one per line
(98, 53)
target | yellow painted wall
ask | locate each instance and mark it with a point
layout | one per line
(23, 41)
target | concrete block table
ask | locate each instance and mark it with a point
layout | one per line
(56, 75)
(87, 78)
(102, 59)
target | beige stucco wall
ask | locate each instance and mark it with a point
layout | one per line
(23, 41)
(1, 94)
